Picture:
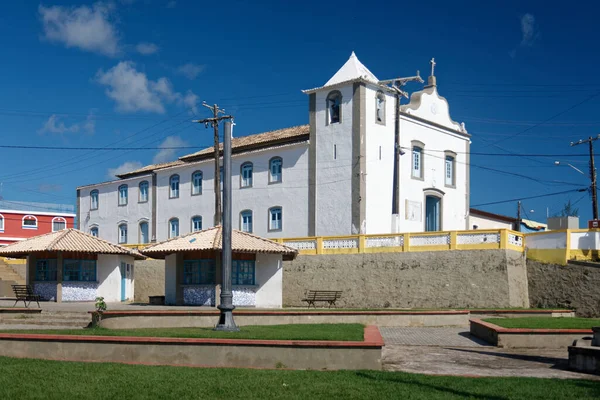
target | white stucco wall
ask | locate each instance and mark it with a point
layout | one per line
(585, 240)
(551, 240)
(487, 223)
(380, 172)
(170, 279)
(436, 140)
(291, 194)
(109, 214)
(269, 278)
(334, 176)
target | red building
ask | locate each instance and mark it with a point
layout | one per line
(17, 225)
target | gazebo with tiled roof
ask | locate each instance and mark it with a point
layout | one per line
(71, 265)
(192, 268)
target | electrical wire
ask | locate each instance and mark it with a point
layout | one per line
(530, 197)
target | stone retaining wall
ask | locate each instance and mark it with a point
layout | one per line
(440, 279)
(570, 286)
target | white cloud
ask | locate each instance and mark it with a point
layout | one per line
(133, 91)
(127, 166)
(146, 48)
(529, 33)
(190, 70)
(171, 4)
(84, 27)
(528, 30)
(55, 125)
(168, 154)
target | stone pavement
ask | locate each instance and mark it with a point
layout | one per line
(448, 336)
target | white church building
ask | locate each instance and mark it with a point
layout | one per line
(365, 163)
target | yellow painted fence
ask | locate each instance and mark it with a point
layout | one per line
(561, 246)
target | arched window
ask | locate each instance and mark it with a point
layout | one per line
(380, 108)
(94, 200)
(58, 224)
(334, 107)
(417, 160)
(30, 222)
(246, 175)
(197, 183)
(94, 231)
(246, 221)
(196, 223)
(275, 170)
(143, 195)
(173, 228)
(123, 233)
(174, 186)
(123, 195)
(275, 219)
(144, 237)
(1, 223)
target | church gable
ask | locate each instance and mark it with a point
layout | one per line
(429, 105)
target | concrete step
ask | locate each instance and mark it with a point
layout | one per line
(45, 322)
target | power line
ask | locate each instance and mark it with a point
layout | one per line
(530, 197)
(95, 148)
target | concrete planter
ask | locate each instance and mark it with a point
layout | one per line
(530, 338)
(206, 319)
(200, 352)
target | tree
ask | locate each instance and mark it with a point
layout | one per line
(568, 211)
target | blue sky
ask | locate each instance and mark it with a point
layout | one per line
(128, 72)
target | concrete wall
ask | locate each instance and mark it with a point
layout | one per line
(478, 278)
(570, 286)
(149, 279)
(487, 223)
(269, 276)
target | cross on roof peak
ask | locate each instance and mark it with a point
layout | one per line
(432, 62)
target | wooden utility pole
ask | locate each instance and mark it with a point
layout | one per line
(215, 124)
(593, 186)
(519, 216)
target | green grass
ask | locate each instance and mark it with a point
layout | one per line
(344, 332)
(545, 322)
(41, 379)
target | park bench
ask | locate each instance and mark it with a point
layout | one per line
(328, 296)
(25, 294)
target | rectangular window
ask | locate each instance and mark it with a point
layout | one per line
(197, 183)
(275, 170)
(79, 270)
(94, 231)
(417, 162)
(143, 192)
(247, 175)
(199, 272)
(242, 272)
(174, 187)
(173, 228)
(123, 195)
(45, 270)
(196, 224)
(246, 221)
(275, 219)
(449, 171)
(335, 151)
(144, 237)
(1, 223)
(123, 234)
(94, 200)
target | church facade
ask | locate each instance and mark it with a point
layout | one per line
(365, 163)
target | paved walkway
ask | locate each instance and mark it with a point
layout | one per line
(457, 337)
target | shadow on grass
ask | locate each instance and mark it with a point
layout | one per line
(406, 380)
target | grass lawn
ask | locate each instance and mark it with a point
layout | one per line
(545, 322)
(41, 379)
(345, 332)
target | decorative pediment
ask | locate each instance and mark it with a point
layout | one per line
(429, 105)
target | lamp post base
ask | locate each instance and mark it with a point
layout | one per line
(226, 322)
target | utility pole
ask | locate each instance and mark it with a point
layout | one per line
(395, 86)
(217, 181)
(226, 322)
(593, 187)
(519, 216)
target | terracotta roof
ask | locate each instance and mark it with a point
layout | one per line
(150, 168)
(67, 240)
(210, 239)
(260, 140)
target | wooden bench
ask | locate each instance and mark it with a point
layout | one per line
(25, 293)
(328, 296)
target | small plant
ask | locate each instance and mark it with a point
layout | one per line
(100, 305)
(280, 365)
